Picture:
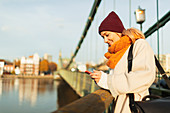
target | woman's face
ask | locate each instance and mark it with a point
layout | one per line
(110, 37)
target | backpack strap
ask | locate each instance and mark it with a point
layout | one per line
(130, 58)
(131, 95)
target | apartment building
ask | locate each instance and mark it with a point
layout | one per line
(6, 67)
(1, 67)
(30, 65)
(48, 57)
(165, 62)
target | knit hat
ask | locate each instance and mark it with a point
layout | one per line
(111, 23)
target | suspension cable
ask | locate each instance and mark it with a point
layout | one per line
(88, 24)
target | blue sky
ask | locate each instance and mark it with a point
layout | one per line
(50, 26)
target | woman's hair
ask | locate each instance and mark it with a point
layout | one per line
(134, 34)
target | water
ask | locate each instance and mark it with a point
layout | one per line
(28, 95)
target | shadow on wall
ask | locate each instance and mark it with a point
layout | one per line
(66, 94)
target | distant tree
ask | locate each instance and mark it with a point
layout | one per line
(17, 63)
(44, 66)
(52, 67)
(13, 72)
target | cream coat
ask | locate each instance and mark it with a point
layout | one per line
(120, 82)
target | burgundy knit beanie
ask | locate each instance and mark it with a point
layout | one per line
(111, 23)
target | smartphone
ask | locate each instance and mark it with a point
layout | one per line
(88, 72)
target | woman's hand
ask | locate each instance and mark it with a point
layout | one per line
(96, 75)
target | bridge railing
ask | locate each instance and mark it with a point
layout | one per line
(80, 82)
(96, 102)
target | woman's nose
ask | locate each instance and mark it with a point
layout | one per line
(105, 39)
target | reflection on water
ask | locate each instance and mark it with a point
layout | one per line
(28, 95)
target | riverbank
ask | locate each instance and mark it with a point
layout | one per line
(31, 76)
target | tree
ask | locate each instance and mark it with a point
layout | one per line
(52, 67)
(17, 63)
(44, 66)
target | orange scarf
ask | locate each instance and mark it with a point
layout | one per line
(117, 50)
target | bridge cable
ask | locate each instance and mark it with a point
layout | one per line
(88, 24)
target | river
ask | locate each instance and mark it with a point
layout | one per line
(33, 95)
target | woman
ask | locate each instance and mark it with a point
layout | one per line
(119, 81)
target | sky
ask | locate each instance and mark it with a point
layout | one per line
(51, 26)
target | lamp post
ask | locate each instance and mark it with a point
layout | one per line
(140, 16)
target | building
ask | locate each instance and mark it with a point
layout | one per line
(167, 67)
(6, 67)
(1, 67)
(30, 65)
(165, 62)
(48, 57)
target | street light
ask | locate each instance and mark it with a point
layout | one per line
(140, 16)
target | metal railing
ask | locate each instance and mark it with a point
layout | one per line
(80, 82)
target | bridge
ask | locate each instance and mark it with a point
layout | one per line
(93, 98)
